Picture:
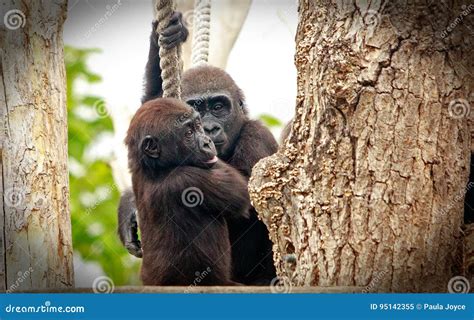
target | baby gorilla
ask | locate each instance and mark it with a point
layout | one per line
(185, 196)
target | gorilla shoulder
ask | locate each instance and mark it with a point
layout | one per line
(255, 142)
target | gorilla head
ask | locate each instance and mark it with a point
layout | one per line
(167, 133)
(220, 102)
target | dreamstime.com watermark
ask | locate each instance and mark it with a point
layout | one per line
(22, 276)
(459, 284)
(467, 10)
(14, 197)
(111, 188)
(101, 109)
(280, 285)
(459, 108)
(199, 277)
(371, 17)
(377, 278)
(110, 11)
(103, 284)
(14, 19)
(47, 307)
(192, 197)
(188, 18)
(457, 198)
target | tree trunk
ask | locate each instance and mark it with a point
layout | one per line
(368, 188)
(35, 246)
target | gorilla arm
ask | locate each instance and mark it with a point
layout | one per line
(175, 34)
(223, 188)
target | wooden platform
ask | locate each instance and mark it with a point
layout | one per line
(220, 289)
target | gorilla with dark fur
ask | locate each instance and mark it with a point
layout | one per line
(171, 157)
(240, 142)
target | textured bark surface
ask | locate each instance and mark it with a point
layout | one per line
(35, 246)
(368, 188)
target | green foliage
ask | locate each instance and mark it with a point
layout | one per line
(270, 121)
(94, 195)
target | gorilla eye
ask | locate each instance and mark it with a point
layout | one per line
(218, 107)
(189, 133)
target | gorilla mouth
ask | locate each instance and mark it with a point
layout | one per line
(213, 160)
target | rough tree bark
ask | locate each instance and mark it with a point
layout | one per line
(35, 242)
(368, 188)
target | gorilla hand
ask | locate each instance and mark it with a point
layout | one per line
(128, 226)
(174, 34)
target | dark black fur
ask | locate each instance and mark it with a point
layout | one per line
(469, 198)
(128, 230)
(185, 196)
(243, 143)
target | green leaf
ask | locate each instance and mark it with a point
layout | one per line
(270, 121)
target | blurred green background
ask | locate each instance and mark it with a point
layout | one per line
(94, 196)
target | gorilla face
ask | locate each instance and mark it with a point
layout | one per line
(214, 94)
(166, 133)
(221, 119)
(187, 143)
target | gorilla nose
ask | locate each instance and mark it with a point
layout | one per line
(207, 145)
(212, 130)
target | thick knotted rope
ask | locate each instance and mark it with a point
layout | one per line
(201, 32)
(170, 59)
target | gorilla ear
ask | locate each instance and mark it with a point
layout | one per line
(150, 147)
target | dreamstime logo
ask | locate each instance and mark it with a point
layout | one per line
(188, 18)
(192, 197)
(459, 284)
(100, 107)
(22, 276)
(14, 197)
(375, 281)
(102, 197)
(280, 285)
(179, 122)
(103, 284)
(371, 18)
(459, 108)
(14, 19)
(459, 196)
(110, 10)
(199, 277)
(466, 11)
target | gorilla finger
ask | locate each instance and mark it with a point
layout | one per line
(134, 248)
(172, 44)
(173, 29)
(175, 17)
(174, 37)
